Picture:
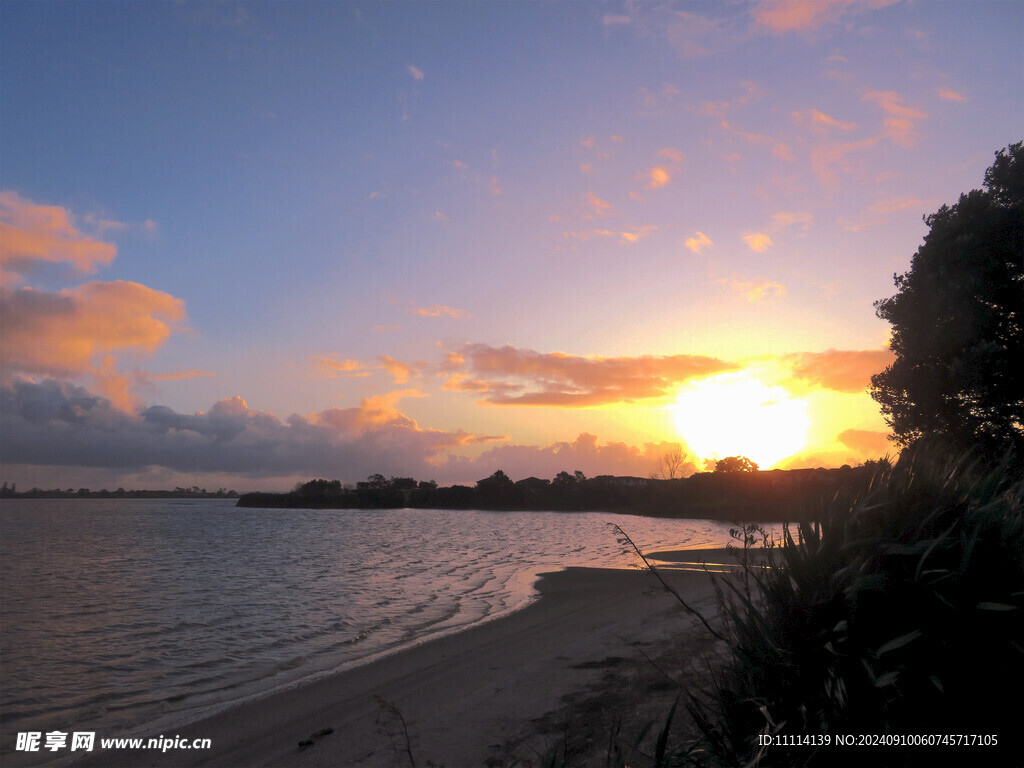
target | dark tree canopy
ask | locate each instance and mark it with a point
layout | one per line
(958, 322)
(735, 464)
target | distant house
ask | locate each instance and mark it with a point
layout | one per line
(625, 481)
(533, 483)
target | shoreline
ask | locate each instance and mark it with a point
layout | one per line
(463, 696)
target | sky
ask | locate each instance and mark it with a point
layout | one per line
(248, 244)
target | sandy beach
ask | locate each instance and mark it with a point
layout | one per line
(597, 655)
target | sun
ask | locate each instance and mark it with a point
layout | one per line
(734, 414)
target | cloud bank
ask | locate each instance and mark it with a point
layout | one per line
(57, 424)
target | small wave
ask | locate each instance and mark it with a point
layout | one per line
(224, 613)
(298, 661)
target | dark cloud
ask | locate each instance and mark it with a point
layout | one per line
(60, 425)
(56, 423)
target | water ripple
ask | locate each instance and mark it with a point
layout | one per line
(118, 612)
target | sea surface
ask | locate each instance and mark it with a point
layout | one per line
(126, 617)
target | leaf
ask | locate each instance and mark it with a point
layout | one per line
(898, 642)
(995, 607)
(887, 679)
(659, 751)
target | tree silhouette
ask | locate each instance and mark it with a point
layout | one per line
(958, 322)
(496, 489)
(735, 464)
(564, 480)
(670, 465)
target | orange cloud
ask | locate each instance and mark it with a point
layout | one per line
(951, 95)
(714, 109)
(718, 110)
(784, 219)
(828, 160)
(401, 372)
(891, 103)
(812, 118)
(757, 241)
(878, 212)
(671, 154)
(371, 414)
(782, 151)
(332, 366)
(895, 203)
(698, 242)
(754, 138)
(611, 19)
(195, 373)
(794, 15)
(804, 15)
(581, 235)
(439, 310)
(416, 72)
(691, 34)
(840, 370)
(462, 383)
(754, 291)
(631, 235)
(31, 233)
(562, 379)
(64, 333)
(658, 177)
(866, 442)
(635, 233)
(113, 385)
(599, 207)
(899, 124)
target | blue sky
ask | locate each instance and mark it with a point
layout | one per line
(488, 219)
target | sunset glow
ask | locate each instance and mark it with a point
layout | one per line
(255, 243)
(737, 415)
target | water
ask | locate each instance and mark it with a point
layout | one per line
(120, 616)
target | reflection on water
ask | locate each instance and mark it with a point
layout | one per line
(116, 613)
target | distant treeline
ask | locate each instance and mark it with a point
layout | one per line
(748, 495)
(195, 492)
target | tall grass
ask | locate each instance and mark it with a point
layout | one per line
(898, 612)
